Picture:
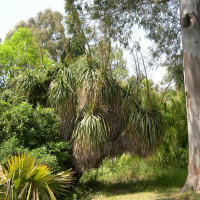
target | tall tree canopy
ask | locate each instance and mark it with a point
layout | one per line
(48, 30)
(159, 19)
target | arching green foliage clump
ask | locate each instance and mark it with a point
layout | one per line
(91, 129)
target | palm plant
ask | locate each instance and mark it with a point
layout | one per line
(22, 179)
(27, 82)
(149, 125)
(88, 75)
(30, 85)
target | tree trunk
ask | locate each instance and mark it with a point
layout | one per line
(190, 27)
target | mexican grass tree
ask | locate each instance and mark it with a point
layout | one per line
(106, 123)
(109, 121)
(99, 116)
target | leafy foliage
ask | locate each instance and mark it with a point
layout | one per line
(55, 154)
(47, 28)
(33, 127)
(100, 114)
(19, 52)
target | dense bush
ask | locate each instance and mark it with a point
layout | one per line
(178, 157)
(24, 129)
(56, 155)
(32, 127)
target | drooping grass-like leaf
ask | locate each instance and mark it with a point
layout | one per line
(150, 125)
(91, 129)
(88, 74)
(111, 92)
(27, 83)
(62, 89)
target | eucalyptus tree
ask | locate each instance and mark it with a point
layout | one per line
(48, 30)
(189, 14)
(159, 19)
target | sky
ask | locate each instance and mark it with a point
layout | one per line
(12, 11)
(156, 73)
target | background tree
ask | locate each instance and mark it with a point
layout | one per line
(48, 29)
(159, 19)
(18, 53)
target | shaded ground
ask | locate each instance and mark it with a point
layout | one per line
(133, 178)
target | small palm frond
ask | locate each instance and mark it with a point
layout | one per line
(13, 175)
(22, 179)
(60, 182)
(91, 129)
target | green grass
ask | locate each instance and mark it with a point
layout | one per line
(132, 178)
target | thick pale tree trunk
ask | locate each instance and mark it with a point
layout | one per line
(190, 27)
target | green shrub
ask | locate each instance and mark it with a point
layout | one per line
(56, 155)
(10, 147)
(32, 127)
(4, 106)
(172, 156)
(42, 155)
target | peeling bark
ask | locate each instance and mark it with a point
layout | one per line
(190, 27)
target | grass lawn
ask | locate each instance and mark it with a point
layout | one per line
(133, 178)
